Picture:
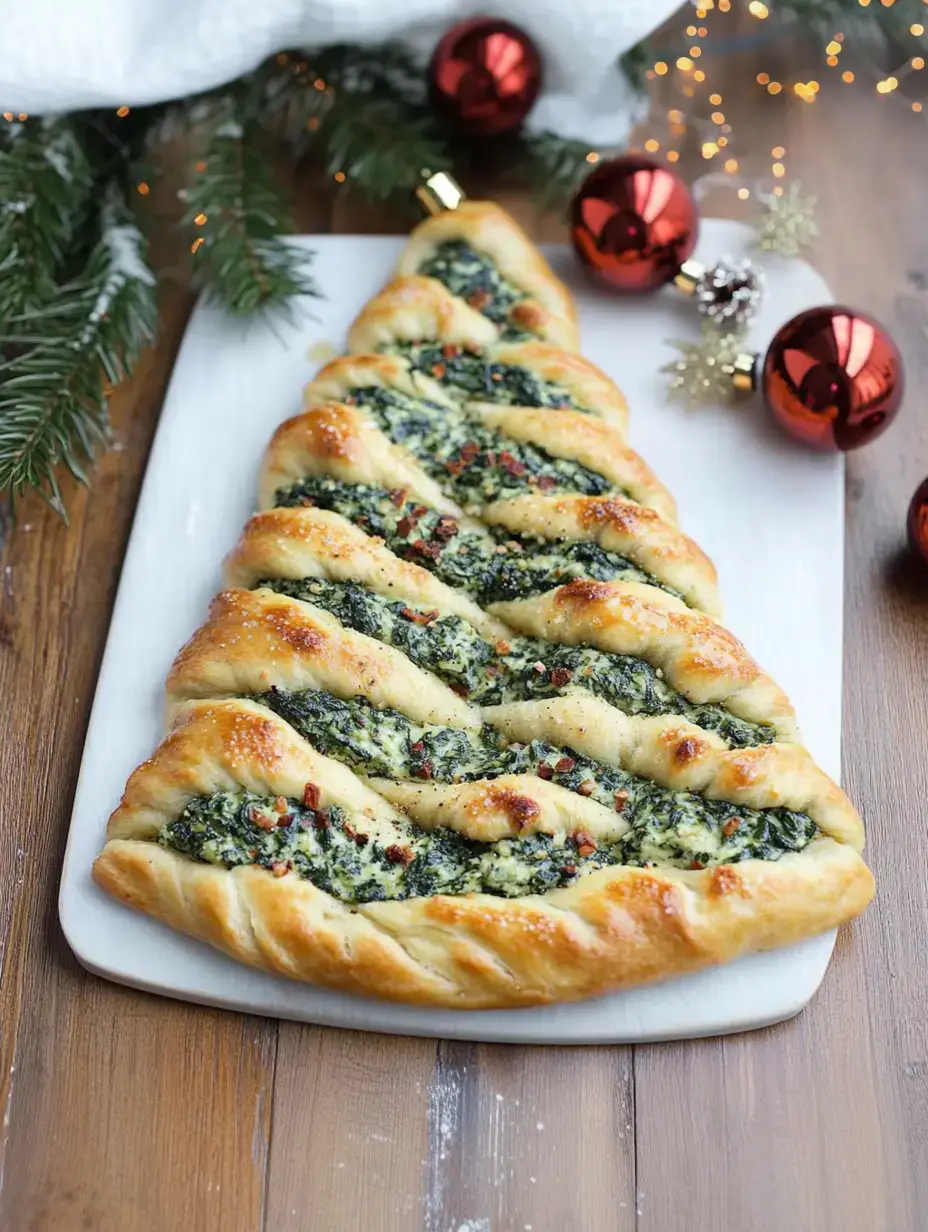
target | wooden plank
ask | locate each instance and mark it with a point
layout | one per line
(819, 1125)
(121, 1111)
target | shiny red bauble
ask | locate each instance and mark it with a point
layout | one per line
(833, 378)
(917, 524)
(485, 75)
(633, 223)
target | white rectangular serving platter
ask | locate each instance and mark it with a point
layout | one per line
(770, 514)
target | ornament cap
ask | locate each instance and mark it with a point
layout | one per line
(689, 276)
(744, 371)
(440, 192)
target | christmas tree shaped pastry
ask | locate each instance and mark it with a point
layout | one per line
(464, 729)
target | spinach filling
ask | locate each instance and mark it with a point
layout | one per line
(473, 277)
(340, 853)
(337, 853)
(481, 379)
(517, 670)
(491, 565)
(472, 461)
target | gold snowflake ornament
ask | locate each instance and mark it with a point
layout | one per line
(709, 372)
(787, 224)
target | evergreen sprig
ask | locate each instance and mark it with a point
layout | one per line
(66, 353)
(239, 218)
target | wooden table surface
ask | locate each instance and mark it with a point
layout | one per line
(126, 1112)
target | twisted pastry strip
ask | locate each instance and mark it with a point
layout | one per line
(614, 927)
(543, 306)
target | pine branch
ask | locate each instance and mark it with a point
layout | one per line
(554, 167)
(365, 109)
(53, 408)
(45, 190)
(239, 218)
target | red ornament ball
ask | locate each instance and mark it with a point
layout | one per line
(633, 223)
(833, 378)
(485, 75)
(917, 524)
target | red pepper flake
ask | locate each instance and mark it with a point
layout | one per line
(284, 819)
(561, 676)
(399, 855)
(511, 464)
(404, 526)
(280, 804)
(280, 867)
(565, 764)
(257, 818)
(360, 839)
(731, 826)
(697, 864)
(445, 528)
(586, 844)
(450, 351)
(350, 830)
(469, 450)
(438, 370)
(424, 771)
(311, 795)
(417, 747)
(545, 771)
(621, 799)
(479, 299)
(586, 788)
(397, 496)
(430, 550)
(417, 511)
(419, 618)
(545, 481)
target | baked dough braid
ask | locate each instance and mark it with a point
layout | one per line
(463, 729)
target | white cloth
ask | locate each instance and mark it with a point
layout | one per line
(60, 55)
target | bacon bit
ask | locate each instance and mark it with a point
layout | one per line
(424, 771)
(417, 747)
(399, 855)
(511, 464)
(431, 550)
(257, 818)
(445, 528)
(586, 788)
(696, 864)
(561, 676)
(586, 844)
(419, 618)
(311, 795)
(731, 826)
(503, 647)
(280, 867)
(284, 819)
(360, 839)
(545, 771)
(621, 799)
(545, 481)
(450, 351)
(455, 466)
(565, 764)
(479, 299)
(280, 804)
(322, 821)
(397, 496)
(404, 526)
(438, 370)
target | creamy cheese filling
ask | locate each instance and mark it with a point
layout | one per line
(474, 463)
(517, 670)
(492, 565)
(472, 276)
(477, 377)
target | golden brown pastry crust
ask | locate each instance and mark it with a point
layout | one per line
(548, 311)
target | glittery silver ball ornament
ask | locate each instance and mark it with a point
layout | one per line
(729, 293)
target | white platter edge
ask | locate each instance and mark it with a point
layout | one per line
(128, 948)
